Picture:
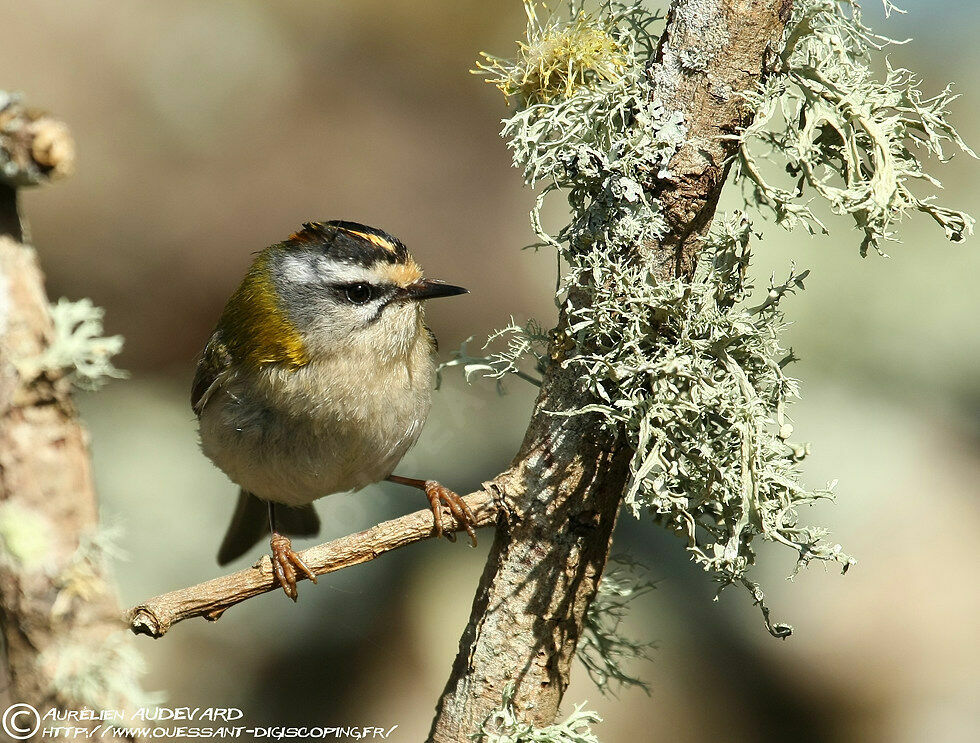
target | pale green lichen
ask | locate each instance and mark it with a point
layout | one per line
(845, 135)
(84, 576)
(546, 132)
(104, 676)
(603, 649)
(506, 726)
(77, 348)
(693, 372)
(526, 348)
(95, 671)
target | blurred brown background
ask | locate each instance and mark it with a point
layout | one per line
(208, 130)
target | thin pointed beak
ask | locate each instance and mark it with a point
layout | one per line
(431, 289)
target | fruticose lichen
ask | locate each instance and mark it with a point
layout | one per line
(558, 59)
(693, 372)
(603, 649)
(99, 672)
(845, 135)
(523, 343)
(77, 348)
(105, 676)
(506, 726)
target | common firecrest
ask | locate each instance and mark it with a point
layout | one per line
(317, 380)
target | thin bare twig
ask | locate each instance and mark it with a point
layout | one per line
(212, 598)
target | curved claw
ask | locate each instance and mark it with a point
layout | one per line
(285, 563)
(439, 495)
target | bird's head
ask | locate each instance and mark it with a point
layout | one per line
(329, 288)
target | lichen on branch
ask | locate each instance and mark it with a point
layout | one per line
(77, 349)
(558, 59)
(603, 649)
(690, 370)
(694, 373)
(505, 725)
(844, 135)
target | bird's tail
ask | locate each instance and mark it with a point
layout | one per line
(250, 523)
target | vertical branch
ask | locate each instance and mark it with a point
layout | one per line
(58, 609)
(561, 497)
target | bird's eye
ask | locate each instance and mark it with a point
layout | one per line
(359, 293)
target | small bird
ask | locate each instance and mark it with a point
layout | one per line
(317, 380)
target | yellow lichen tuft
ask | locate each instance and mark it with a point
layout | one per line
(560, 57)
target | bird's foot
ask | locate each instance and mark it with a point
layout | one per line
(285, 563)
(439, 495)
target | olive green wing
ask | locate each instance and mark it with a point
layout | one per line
(214, 368)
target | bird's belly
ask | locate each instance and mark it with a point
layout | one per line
(294, 459)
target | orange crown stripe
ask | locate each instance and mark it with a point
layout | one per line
(374, 239)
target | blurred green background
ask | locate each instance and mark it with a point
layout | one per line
(208, 130)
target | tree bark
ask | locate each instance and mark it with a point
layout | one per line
(54, 597)
(560, 498)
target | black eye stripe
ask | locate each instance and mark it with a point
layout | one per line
(362, 292)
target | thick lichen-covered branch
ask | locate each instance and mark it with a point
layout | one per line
(618, 140)
(694, 372)
(686, 368)
(690, 366)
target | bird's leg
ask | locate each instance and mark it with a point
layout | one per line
(285, 561)
(437, 496)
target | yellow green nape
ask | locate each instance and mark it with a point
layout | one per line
(254, 325)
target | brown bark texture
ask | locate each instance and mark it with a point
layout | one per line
(560, 498)
(46, 490)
